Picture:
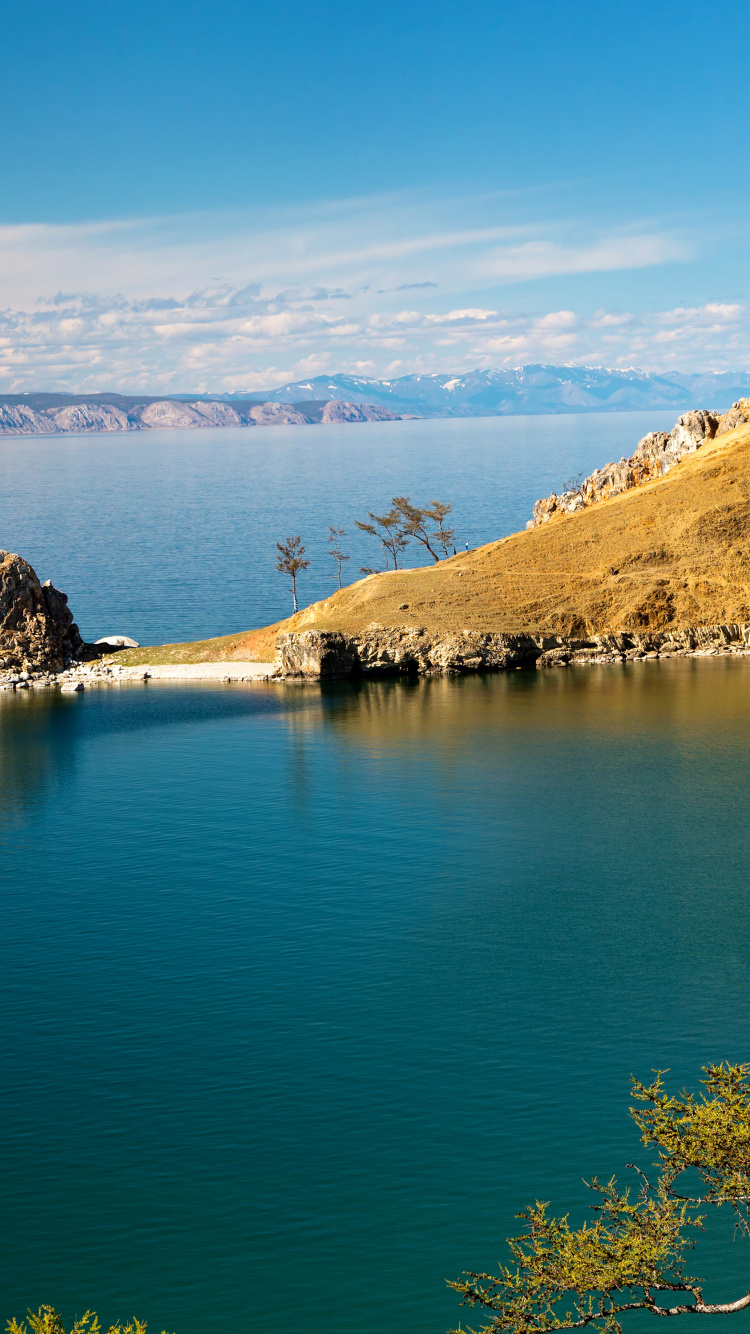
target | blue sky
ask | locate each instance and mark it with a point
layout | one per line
(228, 195)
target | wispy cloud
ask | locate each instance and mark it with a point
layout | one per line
(245, 302)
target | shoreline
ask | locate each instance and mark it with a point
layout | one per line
(323, 660)
(111, 673)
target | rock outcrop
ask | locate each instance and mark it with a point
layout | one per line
(108, 642)
(277, 414)
(654, 455)
(37, 631)
(88, 417)
(380, 651)
(336, 411)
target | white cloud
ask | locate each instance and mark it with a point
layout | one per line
(557, 319)
(546, 259)
(238, 340)
(218, 302)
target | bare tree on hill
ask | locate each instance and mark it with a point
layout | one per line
(393, 537)
(290, 562)
(437, 512)
(333, 541)
(413, 520)
(572, 483)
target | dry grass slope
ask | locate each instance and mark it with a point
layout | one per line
(249, 646)
(671, 554)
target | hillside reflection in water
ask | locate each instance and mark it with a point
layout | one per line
(307, 990)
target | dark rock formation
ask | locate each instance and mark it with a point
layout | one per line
(37, 631)
(654, 455)
(379, 651)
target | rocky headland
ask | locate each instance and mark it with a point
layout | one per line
(38, 635)
(647, 558)
(65, 414)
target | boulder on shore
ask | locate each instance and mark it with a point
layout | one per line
(116, 641)
(37, 631)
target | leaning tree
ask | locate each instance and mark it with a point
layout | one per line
(631, 1257)
(393, 536)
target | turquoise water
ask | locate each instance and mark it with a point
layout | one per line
(307, 990)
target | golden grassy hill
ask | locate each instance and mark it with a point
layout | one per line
(679, 548)
(673, 553)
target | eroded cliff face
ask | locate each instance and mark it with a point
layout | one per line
(654, 455)
(336, 411)
(37, 631)
(384, 651)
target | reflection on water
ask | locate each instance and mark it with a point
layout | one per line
(682, 698)
(37, 742)
(41, 730)
(307, 990)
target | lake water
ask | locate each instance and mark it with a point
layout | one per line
(172, 534)
(306, 991)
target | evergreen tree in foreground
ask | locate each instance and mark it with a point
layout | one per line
(631, 1257)
(48, 1321)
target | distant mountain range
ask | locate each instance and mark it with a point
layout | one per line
(351, 398)
(525, 389)
(75, 414)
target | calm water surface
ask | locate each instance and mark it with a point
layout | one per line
(172, 534)
(306, 991)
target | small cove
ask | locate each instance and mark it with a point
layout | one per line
(307, 990)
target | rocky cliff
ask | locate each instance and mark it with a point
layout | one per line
(20, 418)
(37, 631)
(380, 651)
(654, 455)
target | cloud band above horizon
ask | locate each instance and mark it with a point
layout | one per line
(273, 299)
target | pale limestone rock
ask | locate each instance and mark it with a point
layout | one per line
(337, 411)
(168, 414)
(216, 414)
(277, 414)
(90, 417)
(18, 419)
(738, 415)
(654, 455)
